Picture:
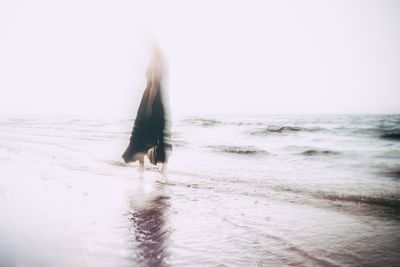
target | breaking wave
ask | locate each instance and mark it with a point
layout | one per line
(285, 130)
(316, 152)
(392, 134)
(202, 121)
(242, 150)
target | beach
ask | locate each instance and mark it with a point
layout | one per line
(242, 190)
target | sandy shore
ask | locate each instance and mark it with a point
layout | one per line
(83, 219)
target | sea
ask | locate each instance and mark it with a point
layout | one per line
(240, 190)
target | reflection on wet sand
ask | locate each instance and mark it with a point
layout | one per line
(149, 216)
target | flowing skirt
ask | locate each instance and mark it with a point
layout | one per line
(149, 131)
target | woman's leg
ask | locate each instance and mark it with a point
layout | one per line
(141, 165)
(164, 171)
(141, 162)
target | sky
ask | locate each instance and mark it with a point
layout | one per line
(85, 57)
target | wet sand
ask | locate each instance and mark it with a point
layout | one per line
(81, 219)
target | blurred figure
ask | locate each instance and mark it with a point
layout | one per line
(150, 132)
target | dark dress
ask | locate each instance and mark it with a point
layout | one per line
(149, 131)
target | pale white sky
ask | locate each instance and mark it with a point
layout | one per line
(88, 57)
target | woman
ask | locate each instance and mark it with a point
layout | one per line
(149, 132)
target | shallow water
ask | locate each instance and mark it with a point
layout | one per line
(243, 191)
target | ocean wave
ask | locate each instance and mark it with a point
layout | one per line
(392, 134)
(386, 168)
(393, 173)
(393, 153)
(389, 170)
(285, 130)
(242, 150)
(388, 200)
(202, 121)
(383, 132)
(316, 152)
(242, 123)
(385, 201)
